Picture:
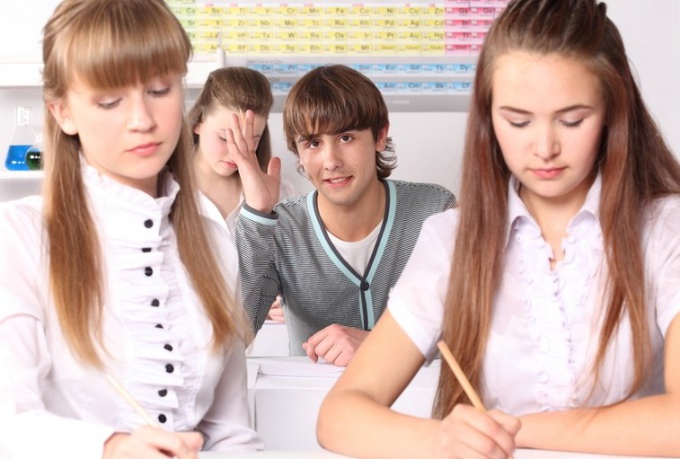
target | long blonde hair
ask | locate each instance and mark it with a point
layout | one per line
(635, 163)
(112, 44)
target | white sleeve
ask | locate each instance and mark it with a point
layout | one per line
(226, 425)
(417, 300)
(662, 256)
(28, 429)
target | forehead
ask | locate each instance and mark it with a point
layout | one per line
(537, 82)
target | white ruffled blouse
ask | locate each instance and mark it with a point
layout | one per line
(156, 335)
(546, 323)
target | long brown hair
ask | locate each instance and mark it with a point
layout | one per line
(236, 87)
(635, 164)
(112, 44)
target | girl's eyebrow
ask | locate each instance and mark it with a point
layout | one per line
(570, 108)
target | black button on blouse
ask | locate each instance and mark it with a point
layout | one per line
(148, 271)
(168, 347)
(169, 368)
(148, 223)
(163, 392)
(162, 419)
(155, 303)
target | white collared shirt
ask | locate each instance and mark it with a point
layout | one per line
(546, 323)
(156, 335)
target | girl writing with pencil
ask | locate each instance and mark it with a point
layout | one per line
(555, 283)
(112, 274)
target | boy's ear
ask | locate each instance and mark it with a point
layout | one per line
(197, 129)
(381, 143)
(62, 116)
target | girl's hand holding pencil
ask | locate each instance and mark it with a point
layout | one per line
(150, 441)
(472, 431)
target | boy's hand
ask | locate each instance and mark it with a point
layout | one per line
(335, 344)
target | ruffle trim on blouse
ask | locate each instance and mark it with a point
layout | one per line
(553, 302)
(160, 355)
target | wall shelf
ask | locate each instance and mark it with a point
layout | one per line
(20, 176)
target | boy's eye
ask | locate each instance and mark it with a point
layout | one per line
(345, 138)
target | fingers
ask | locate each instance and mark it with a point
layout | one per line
(153, 443)
(510, 423)
(193, 440)
(237, 142)
(335, 344)
(248, 129)
(309, 349)
(472, 433)
(274, 167)
(276, 312)
(310, 346)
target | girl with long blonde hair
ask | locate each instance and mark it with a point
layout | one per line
(113, 273)
(555, 283)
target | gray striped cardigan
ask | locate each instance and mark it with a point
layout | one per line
(289, 252)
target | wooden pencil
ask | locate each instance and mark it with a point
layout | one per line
(131, 401)
(460, 376)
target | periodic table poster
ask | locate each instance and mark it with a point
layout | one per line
(407, 48)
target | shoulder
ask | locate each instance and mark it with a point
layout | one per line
(22, 216)
(441, 225)
(421, 187)
(418, 190)
(662, 217)
(422, 198)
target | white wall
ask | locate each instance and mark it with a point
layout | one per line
(428, 145)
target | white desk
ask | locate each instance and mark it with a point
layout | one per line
(520, 454)
(270, 341)
(285, 395)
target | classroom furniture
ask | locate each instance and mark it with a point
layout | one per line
(285, 395)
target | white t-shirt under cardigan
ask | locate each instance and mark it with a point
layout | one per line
(545, 326)
(156, 334)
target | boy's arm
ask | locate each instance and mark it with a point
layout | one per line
(256, 245)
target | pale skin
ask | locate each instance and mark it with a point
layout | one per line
(153, 443)
(128, 134)
(351, 203)
(548, 116)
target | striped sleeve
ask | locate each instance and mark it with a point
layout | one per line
(256, 252)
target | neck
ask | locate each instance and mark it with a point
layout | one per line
(355, 222)
(553, 215)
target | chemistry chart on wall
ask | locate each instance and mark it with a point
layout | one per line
(417, 52)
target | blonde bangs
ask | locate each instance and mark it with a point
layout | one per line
(122, 26)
